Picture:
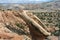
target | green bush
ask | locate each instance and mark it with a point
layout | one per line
(20, 25)
(50, 21)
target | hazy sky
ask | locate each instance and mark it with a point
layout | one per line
(22, 1)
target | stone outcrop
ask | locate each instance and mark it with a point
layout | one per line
(14, 27)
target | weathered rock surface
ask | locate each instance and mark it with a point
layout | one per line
(12, 27)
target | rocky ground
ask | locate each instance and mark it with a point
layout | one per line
(13, 27)
(51, 20)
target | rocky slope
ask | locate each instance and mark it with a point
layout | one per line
(45, 6)
(12, 27)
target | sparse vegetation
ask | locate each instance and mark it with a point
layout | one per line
(20, 25)
(50, 17)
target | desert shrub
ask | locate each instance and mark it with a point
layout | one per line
(49, 21)
(49, 18)
(47, 24)
(42, 18)
(20, 25)
(56, 33)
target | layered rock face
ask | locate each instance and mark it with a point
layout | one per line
(12, 26)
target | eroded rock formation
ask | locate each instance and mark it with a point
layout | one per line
(14, 25)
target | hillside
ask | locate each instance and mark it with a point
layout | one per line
(45, 6)
(13, 26)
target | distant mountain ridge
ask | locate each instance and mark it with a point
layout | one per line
(24, 1)
(46, 6)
